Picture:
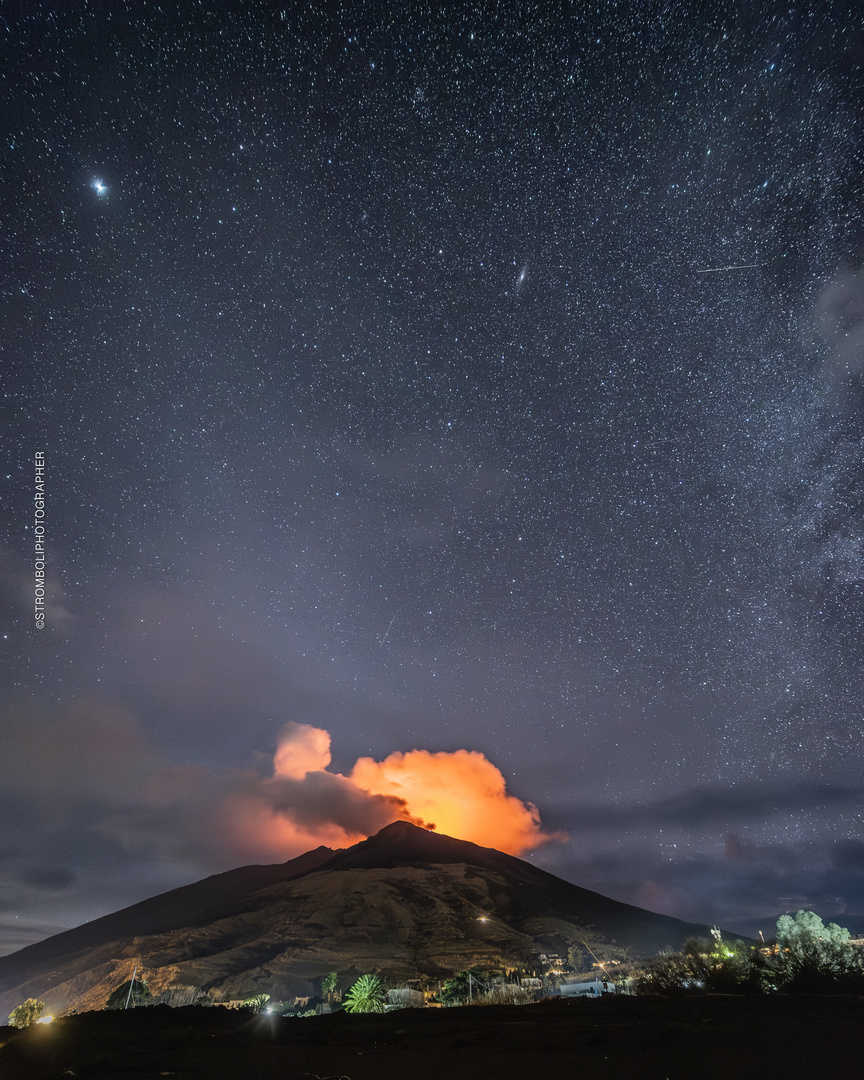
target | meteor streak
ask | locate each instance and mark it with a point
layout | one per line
(717, 269)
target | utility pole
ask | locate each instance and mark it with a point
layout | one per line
(131, 984)
(471, 981)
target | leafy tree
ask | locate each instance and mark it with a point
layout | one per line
(366, 995)
(806, 929)
(26, 1013)
(140, 995)
(328, 984)
(463, 987)
(814, 958)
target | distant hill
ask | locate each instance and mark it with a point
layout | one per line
(405, 901)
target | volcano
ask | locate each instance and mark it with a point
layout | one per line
(405, 903)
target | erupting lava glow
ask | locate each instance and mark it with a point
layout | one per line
(461, 794)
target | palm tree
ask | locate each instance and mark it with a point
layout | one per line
(328, 984)
(256, 1003)
(366, 995)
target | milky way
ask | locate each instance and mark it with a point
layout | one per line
(383, 388)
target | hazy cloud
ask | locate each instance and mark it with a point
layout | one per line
(705, 807)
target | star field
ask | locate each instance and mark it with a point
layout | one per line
(384, 387)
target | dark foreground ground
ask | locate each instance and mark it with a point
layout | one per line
(713, 1037)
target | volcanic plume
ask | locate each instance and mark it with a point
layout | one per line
(304, 804)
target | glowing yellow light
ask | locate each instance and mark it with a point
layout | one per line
(44, 1019)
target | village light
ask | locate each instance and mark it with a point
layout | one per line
(44, 1019)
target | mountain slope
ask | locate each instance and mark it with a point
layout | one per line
(190, 905)
(404, 901)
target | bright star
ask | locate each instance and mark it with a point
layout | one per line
(99, 187)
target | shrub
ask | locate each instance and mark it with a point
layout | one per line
(26, 1013)
(673, 973)
(179, 996)
(702, 966)
(811, 958)
(505, 994)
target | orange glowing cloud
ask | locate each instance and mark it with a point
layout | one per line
(461, 793)
(303, 804)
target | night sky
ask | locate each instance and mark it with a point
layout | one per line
(450, 378)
